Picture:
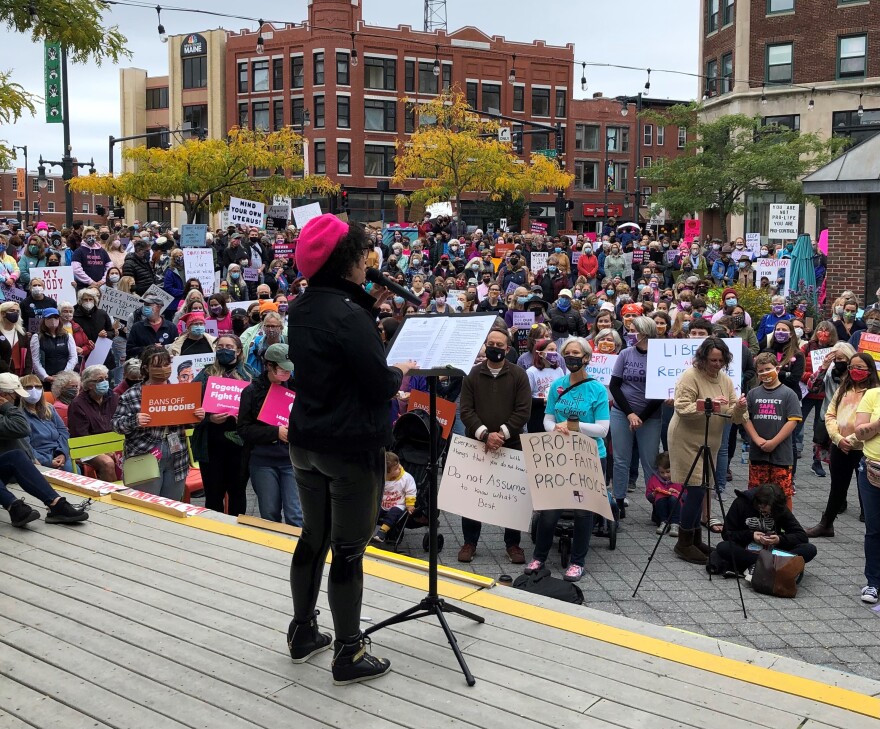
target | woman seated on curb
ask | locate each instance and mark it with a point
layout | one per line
(49, 436)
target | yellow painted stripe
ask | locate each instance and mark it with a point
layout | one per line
(805, 688)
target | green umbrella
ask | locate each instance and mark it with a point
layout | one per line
(802, 276)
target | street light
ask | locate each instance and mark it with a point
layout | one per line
(26, 186)
(624, 110)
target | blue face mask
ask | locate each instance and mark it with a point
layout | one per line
(398, 300)
(234, 276)
(557, 249)
(563, 304)
(198, 330)
(102, 388)
(552, 269)
(148, 311)
(522, 299)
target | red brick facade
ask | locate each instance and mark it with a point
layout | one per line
(847, 244)
(50, 199)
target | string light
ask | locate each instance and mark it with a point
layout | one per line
(811, 103)
(436, 60)
(648, 82)
(354, 53)
(583, 77)
(861, 110)
(511, 78)
(763, 96)
(261, 44)
(163, 36)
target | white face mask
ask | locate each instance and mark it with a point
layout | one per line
(88, 305)
(37, 290)
(33, 396)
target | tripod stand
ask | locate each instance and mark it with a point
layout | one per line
(432, 603)
(707, 481)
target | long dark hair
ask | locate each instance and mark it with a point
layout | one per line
(847, 383)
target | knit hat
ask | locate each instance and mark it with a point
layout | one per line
(266, 305)
(42, 225)
(193, 317)
(317, 240)
(729, 290)
(631, 309)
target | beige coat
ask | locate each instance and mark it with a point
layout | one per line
(175, 347)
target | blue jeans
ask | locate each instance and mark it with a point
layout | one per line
(722, 460)
(807, 404)
(166, 485)
(648, 438)
(666, 508)
(277, 493)
(16, 466)
(870, 496)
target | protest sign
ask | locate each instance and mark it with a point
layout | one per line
(185, 367)
(278, 212)
(511, 287)
(669, 358)
(600, 367)
(439, 208)
(870, 344)
(305, 213)
(251, 274)
(81, 484)
(692, 229)
(119, 304)
(502, 249)
(58, 281)
(276, 406)
(575, 257)
(171, 404)
(199, 263)
(246, 212)
(773, 269)
(538, 227)
(284, 250)
(565, 472)
(212, 327)
(193, 236)
(157, 503)
(456, 299)
(223, 395)
(539, 261)
(102, 348)
(783, 221)
(753, 243)
(166, 298)
(419, 400)
(523, 319)
(15, 294)
(817, 357)
(490, 487)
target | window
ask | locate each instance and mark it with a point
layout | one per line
(196, 116)
(277, 74)
(157, 98)
(278, 114)
(297, 72)
(446, 75)
(243, 116)
(585, 175)
(779, 63)
(51, 208)
(648, 135)
(320, 158)
(682, 137)
(380, 116)
(540, 141)
(409, 76)
(586, 137)
(409, 120)
(157, 141)
(661, 136)
(780, 6)
(378, 160)
(342, 70)
(297, 109)
(852, 54)
(856, 128)
(713, 11)
(16, 206)
(379, 73)
(646, 162)
(50, 186)
(540, 102)
(195, 72)
(727, 18)
(726, 73)
(319, 111)
(471, 93)
(790, 121)
(35, 185)
(15, 184)
(260, 75)
(519, 98)
(492, 98)
(343, 112)
(561, 96)
(617, 139)
(343, 158)
(242, 77)
(428, 82)
(261, 116)
(318, 69)
(711, 78)
(620, 178)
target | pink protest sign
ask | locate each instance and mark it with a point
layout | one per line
(276, 408)
(590, 235)
(691, 228)
(222, 395)
(823, 241)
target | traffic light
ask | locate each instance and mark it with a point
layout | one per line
(119, 212)
(569, 204)
(518, 142)
(343, 200)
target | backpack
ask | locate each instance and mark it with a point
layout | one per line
(542, 583)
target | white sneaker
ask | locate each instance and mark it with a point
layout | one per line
(673, 530)
(625, 501)
(660, 529)
(869, 595)
(749, 573)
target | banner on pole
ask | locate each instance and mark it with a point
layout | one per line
(52, 72)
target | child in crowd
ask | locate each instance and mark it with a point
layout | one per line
(664, 495)
(399, 496)
(772, 412)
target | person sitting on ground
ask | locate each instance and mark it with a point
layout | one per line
(759, 519)
(664, 496)
(49, 438)
(399, 496)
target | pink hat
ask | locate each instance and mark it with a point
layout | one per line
(193, 317)
(316, 242)
(42, 225)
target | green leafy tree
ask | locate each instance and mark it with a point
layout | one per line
(729, 157)
(76, 24)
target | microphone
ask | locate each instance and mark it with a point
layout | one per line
(395, 288)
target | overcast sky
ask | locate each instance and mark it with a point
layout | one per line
(627, 32)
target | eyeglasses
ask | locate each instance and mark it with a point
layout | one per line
(225, 348)
(32, 387)
(858, 369)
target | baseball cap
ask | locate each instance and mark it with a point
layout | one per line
(10, 383)
(50, 311)
(276, 353)
(565, 292)
(152, 299)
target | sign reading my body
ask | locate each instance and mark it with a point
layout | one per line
(549, 454)
(501, 488)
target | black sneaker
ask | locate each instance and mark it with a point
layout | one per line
(304, 640)
(63, 513)
(20, 514)
(352, 663)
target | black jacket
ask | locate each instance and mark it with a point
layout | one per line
(566, 323)
(743, 520)
(142, 335)
(93, 322)
(14, 430)
(343, 385)
(141, 271)
(252, 431)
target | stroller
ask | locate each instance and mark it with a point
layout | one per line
(564, 530)
(411, 439)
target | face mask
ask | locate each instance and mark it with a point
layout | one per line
(87, 305)
(102, 387)
(234, 275)
(563, 304)
(781, 336)
(148, 312)
(799, 333)
(716, 246)
(605, 347)
(398, 300)
(557, 249)
(552, 358)
(114, 278)
(823, 337)
(764, 251)
(730, 302)
(577, 294)
(778, 309)
(225, 357)
(859, 375)
(588, 251)
(849, 315)
(11, 316)
(574, 363)
(839, 368)
(641, 286)
(105, 236)
(34, 250)
(197, 330)
(160, 374)
(495, 354)
(801, 308)
(255, 317)
(37, 290)
(264, 297)
(609, 292)
(742, 264)
(67, 395)
(216, 311)
(441, 300)
(90, 240)
(768, 377)
(739, 321)
(32, 396)
(874, 325)
(552, 269)
(522, 299)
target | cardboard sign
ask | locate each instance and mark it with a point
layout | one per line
(575, 257)
(103, 345)
(419, 400)
(753, 243)
(193, 236)
(278, 211)
(523, 319)
(668, 359)
(565, 472)
(171, 404)
(82, 484)
(119, 304)
(437, 209)
(246, 212)
(166, 298)
(817, 357)
(600, 367)
(511, 287)
(223, 395)
(199, 263)
(539, 261)
(185, 367)
(157, 503)
(490, 487)
(276, 406)
(783, 221)
(692, 229)
(773, 269)
(59, 281)
(305, 213)
(15, 294)
(250, 274)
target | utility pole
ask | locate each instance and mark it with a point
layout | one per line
(27, 192)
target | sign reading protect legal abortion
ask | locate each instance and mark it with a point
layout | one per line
(668, 359)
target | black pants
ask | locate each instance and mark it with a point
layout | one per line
(223, 474)
(842, 467)
(340, 496)
(743, 558)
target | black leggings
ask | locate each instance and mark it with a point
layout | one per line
(842, 466)
(223, 474)
(340, 496)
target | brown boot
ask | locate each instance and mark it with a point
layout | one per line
(699, 543)
(822, 529)
(685, 549)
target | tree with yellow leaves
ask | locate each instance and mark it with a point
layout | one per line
(203, 175)
(454, 151)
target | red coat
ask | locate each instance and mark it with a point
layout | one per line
(588, 266)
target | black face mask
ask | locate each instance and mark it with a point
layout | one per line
(574, 363)
(384, 314)
(495, 354)
(839, 368)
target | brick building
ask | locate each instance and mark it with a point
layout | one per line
(46, 204)
(797, 63)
